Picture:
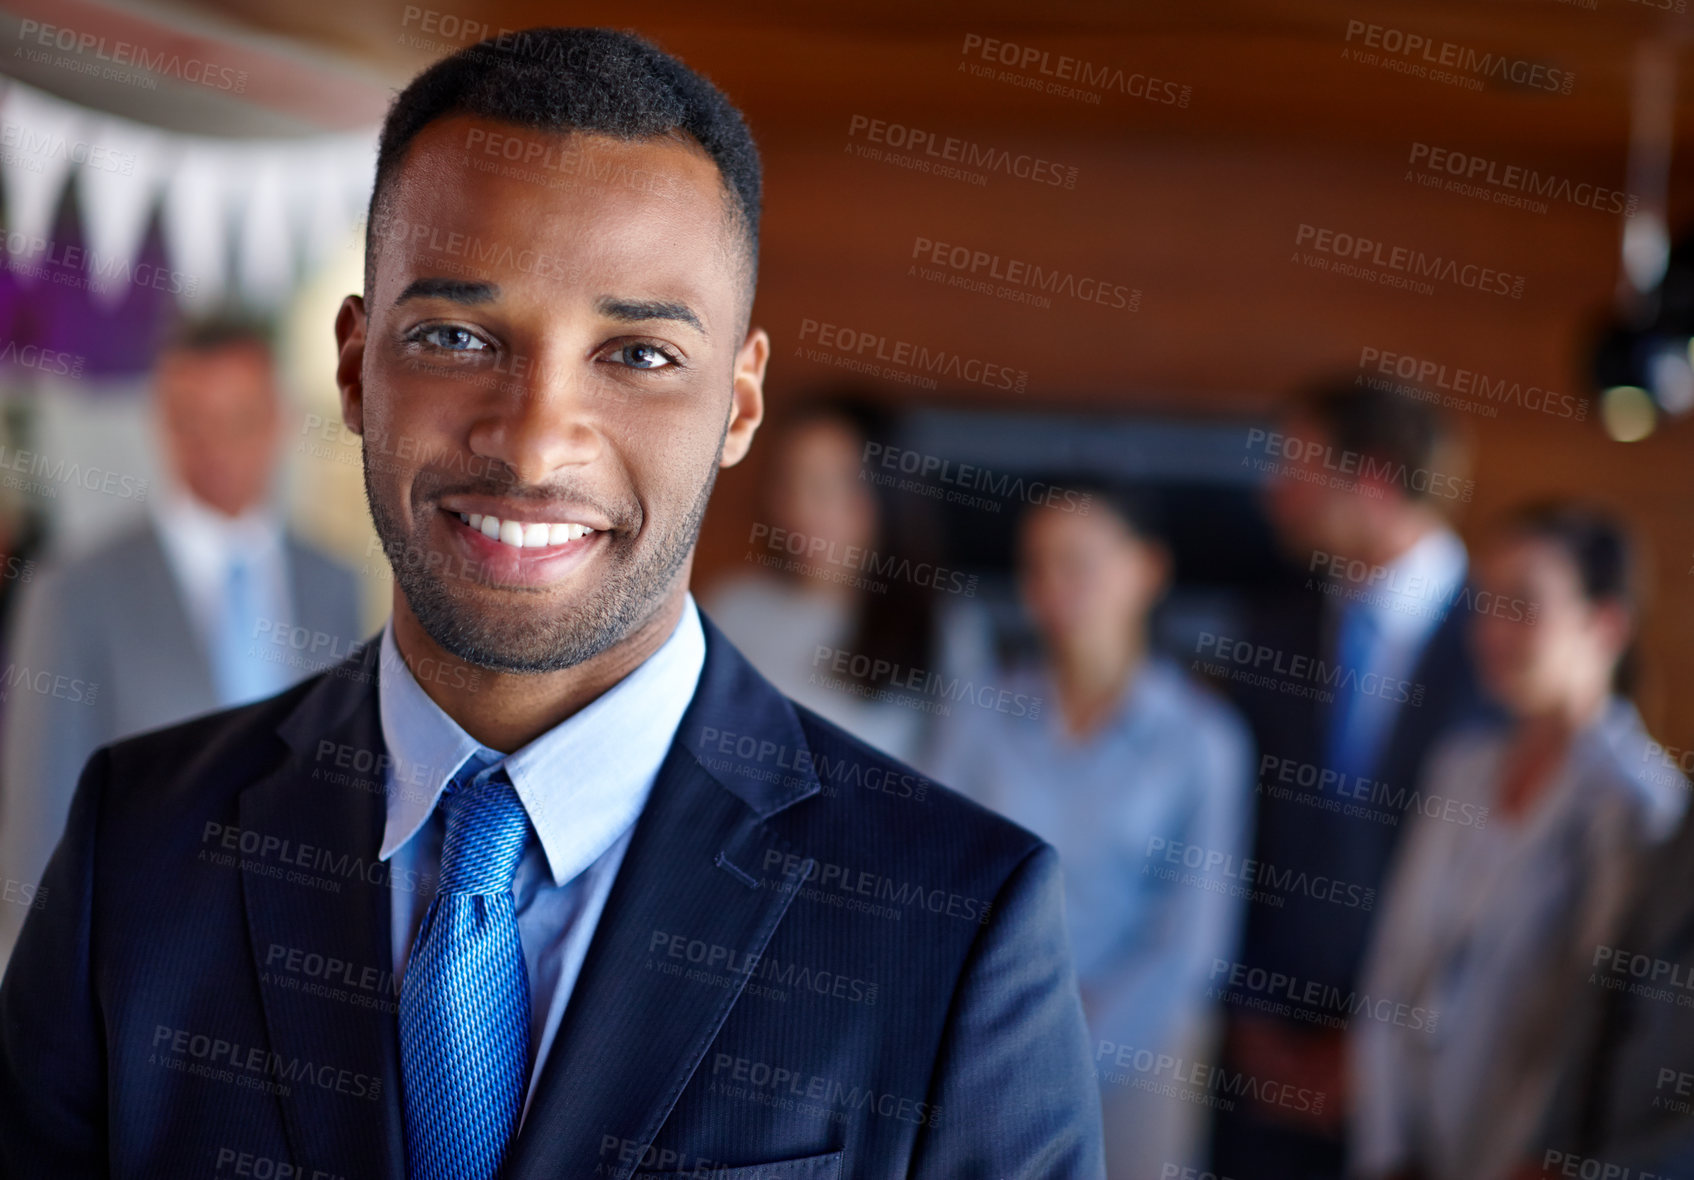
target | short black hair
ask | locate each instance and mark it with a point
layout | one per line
(1408, 434)
(601, 81)
(1136, 508)
(1605, 556)
(1597, 542)
(841, 405)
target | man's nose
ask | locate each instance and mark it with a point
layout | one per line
(542, 425)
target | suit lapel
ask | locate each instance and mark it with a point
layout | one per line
(1440, 673)
(313, 604)
(703, 870)
(302, 599)
(1662, 914)
(328, 821)
(169, 626)
(703, 865)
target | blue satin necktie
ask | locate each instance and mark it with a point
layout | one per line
(464, 1002)
(1354, 726)
(239, 672)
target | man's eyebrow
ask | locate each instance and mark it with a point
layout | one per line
(635, 310)
(455, 290)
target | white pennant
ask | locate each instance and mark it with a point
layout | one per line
(266, 256)
(34, 166)
(117, 208)
(234, 214)
(196, 223)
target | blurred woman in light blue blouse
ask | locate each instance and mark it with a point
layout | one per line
(1126, 762)
(1492, 925)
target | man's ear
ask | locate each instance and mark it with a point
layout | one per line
(747, 397)
(1617, 626)
(350, 363)
(1161, 565)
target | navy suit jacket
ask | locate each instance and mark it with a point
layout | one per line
(813, 964)
(1313, 938)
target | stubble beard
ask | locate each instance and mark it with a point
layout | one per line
(520, 635)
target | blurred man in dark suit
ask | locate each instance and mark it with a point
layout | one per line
(210, 602)
(1367, 665)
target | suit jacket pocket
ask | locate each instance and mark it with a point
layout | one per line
(812, 1167)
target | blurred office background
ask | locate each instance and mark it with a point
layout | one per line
(256, 198)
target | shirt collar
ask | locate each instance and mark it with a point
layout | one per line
(1416, 589)
(1156, 683)
(204, 540)
(583, 782)
(1147, 703)
(1620, 737)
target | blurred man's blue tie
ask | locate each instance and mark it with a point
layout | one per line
(240, 672)
(464, 1001)
(1353, 739)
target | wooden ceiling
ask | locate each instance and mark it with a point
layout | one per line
(1197, 205)
(1257, 70)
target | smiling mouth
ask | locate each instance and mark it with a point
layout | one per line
(520, 534)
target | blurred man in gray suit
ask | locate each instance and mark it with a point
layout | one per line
(208, 603)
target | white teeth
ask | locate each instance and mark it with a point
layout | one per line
(521, 535)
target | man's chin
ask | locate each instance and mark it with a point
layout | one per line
(498, 649)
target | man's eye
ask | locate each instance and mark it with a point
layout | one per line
(644, 356)
(449, 338)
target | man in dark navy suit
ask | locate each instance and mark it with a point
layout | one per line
(1355, 677)
(546, 880)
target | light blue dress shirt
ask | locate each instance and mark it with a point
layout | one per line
(583, 784)
(1406, 601)
(1171, 769)
(201, 546)
(1174, 763)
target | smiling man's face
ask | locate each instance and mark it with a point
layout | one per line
(547, 377)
